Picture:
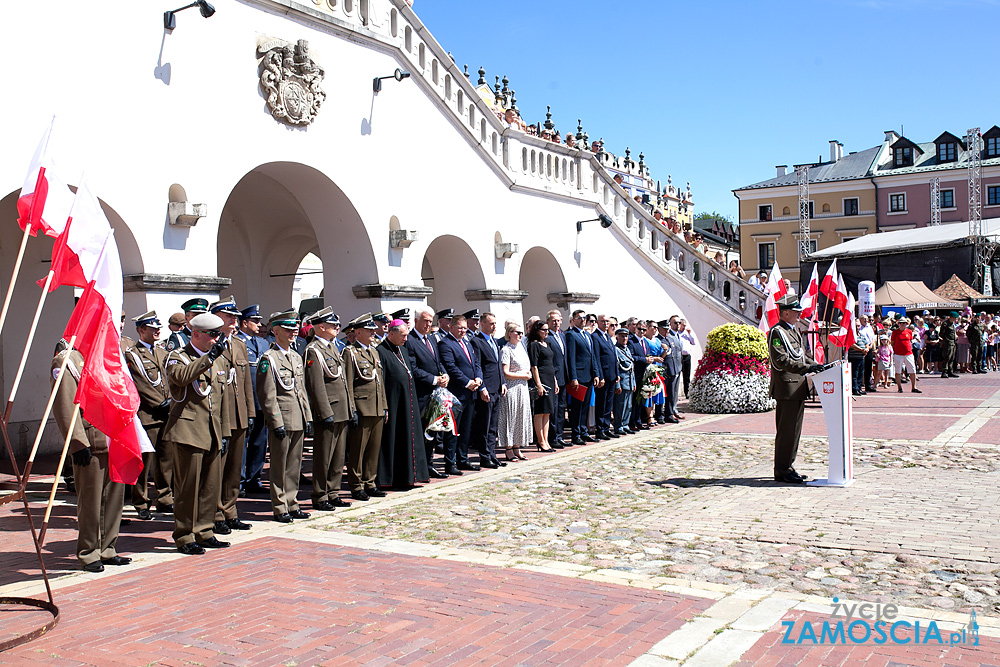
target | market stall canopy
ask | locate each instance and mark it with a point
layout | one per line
(956, 289)
(912, 294)
(906, 240)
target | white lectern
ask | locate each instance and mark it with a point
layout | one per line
(833, 386)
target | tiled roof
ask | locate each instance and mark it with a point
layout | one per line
(928, 161)
(855, 165)
(956, 289)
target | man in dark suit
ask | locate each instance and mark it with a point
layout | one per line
(604, 396)
(487, 419)
(642, 358)
(557, 341)
(466, 379)
(671, 368)
(583, 373)
(428, 372)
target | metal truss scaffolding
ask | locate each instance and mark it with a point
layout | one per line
(935, 201)
(802, 174)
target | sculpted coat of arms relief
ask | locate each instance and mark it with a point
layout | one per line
(290, 80)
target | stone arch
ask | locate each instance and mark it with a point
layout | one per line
(277, 214)
(540, 276)
(451, 268)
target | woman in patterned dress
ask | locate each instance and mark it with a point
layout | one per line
(515, 406)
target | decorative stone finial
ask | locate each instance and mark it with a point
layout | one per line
(579, 129)
(466, 72)
(642, 162)
(505, 88)
(549, 125)
(513, 102)
(482, 77)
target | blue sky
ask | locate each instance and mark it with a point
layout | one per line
(718, 93)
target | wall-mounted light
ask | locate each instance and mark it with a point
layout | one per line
(170, 22)
(398, 75)
(606, 222)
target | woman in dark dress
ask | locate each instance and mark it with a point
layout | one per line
(543, 373)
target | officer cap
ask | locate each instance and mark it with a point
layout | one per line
(381, 317)
(324, 316)
(401, 314)
(347, 328)
(227, 306)
(789, 302)
(177, 319)
(363, 322)
(251, 313)
(206, 322)
(445, 314)
(147, 320)
(471, 314)
(663, 324)
(287, 319)
(621, 330)
(195, 306)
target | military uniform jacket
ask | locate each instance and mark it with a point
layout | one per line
(948, 335)
(626, 368)
(178, 339)
(329, 395)
(281, 388)
(146, 366)
(239, 404)
(789, 363)
(363, 371)
(84, 434)
(196, 386)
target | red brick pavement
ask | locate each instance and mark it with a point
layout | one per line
(769, 651)
(277, 600)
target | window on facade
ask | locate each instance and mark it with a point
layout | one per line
(947, 199)
(946, 152)
(764, 213)
(897, 203)
(993, 195)
(811, 210)
(851, 206)
(903, 156)
(812, 246)
(765, 256)
(993, 147)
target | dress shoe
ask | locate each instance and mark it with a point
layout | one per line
(359, 495)
(144, 514)
(587, 438)
(435, 473)
(213, 543)
(243, 493)
(601, 436)
(221, 528)
(323, 506)
(790, 478)
(578, 441)
(558, 445)
(452, 470)
(678, 415)
(487, 463)
(953, 375)
(96, 566)
(191, 549)
(117, 560)
(337, 502)
(256, 489)
(916, 391)
(236, 524)
(165, 509)
(671, 420)
(661, 420)
(612, 434)
(283, 518)
(298, 514)
(499, 464)
(796, 473)
(375, 493)
(468, 466)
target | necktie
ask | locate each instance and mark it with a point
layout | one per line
(466, 350)
(430, 348)
(645, 346)
(490, 343)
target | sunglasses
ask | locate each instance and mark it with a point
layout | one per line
(215, 333)
(519, 333)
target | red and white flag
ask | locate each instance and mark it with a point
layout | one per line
(829, 285)
(775, 289)
(77, 249)
(810, 296)
(107, 396)
(845, 336)
(813, 334)
(45, 200)
(840, 295)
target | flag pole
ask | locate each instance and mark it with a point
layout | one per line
(13, 277)
(27, 346)
(48, 412)
(55, 482)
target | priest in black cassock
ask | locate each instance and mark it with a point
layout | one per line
(402, 461)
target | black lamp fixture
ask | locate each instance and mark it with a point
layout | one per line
(606, 222)
(170, 21)
(398, 75)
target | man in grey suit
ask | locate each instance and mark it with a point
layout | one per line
(672, 362)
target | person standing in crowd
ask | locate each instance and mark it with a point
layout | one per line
(583, 374)
(557, 341)
(256, 438)
(672, 357)
(196, 376)
(365, 378)
(486, 422)
(856, 358)
(99, 501)
(641, 357)
(402, 461)
(332, 404)
(176, 322)
(688, 344)
(443, 323)
(974, 334)
(543, 374)
(239, 406)
(789, 364)
(866, 334)
(281, 388)
(626, 383)
(428, 374)
(462, 365)
(515, 408)
(145, 364)
(947, 338)
(902, 355)
(604, 396)
(192, 308)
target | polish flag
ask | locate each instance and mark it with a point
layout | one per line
(809, 298)
(829, 285)
(775, 289)
(44, 201)
(845, 334)
(818, 353)
(77, 249)
(107, 396)
(840, 296)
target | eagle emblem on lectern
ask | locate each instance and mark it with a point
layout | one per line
(291, 81)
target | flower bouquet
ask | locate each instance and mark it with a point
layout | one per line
(654, 387)
(441, 413)
(733, 375)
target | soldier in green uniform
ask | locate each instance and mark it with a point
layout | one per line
(363, 370)
(789, 364)
(281, 389)
(948, 338)
(332, 405)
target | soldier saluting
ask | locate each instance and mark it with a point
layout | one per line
(789, 364)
